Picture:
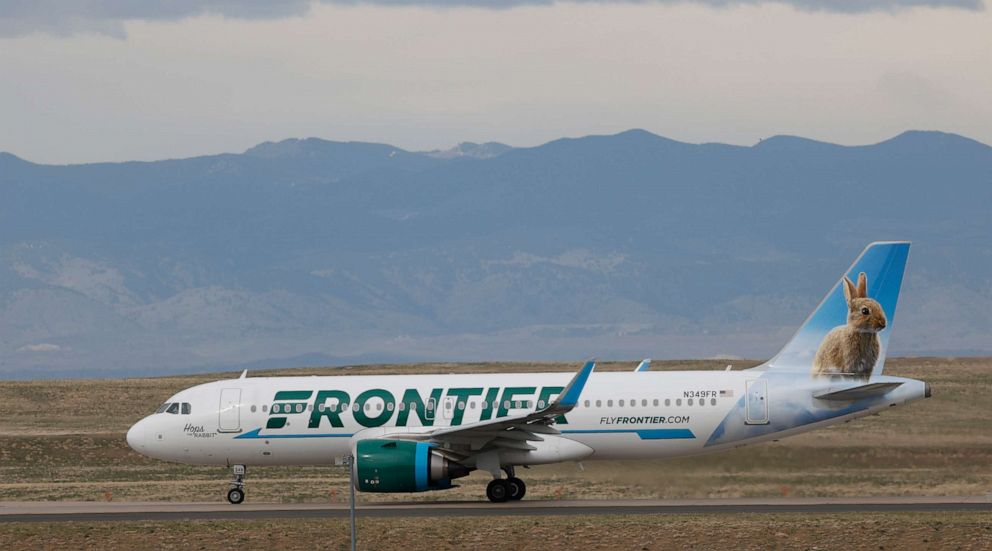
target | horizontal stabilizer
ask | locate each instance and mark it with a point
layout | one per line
(859, 392)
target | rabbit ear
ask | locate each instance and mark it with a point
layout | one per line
(862, 285)
(849, 290)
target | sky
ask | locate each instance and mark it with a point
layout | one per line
(115, 80)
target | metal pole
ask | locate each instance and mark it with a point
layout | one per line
(351, 477)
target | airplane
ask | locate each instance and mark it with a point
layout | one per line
(413, 433)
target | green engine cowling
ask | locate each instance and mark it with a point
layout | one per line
(384, 465)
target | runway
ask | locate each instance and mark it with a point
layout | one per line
(133, 511)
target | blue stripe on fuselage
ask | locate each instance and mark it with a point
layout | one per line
(643, 434)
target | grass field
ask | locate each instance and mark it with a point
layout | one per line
(65, 440)
(876, 531)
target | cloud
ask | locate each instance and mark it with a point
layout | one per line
(108, 17)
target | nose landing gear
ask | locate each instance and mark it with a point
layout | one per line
(237, 492)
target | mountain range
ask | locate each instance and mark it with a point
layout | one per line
(308, 251)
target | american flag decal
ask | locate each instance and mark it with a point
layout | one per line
(726, 393)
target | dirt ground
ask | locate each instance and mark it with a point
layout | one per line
(876, 531)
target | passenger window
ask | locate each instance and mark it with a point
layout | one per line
(253, 408)
(678, 401)
(668, 402)
(644, 403)
(541, 404)
(620, 403)
(186, 408)
(712, 401)
(265, 408)
(655, 402)
(173, 408)
(609, 403)
(599, 403)
(402, 406)
(689, 402)
(390, 406)
(461, 405)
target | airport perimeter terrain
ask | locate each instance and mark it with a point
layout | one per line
(64, 441)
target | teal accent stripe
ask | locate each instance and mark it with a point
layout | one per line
(420, 465)
(255, 434)
(293, 394)
(643, 434)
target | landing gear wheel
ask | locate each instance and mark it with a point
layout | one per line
(237, 492)
(517, 488)
(498, 491)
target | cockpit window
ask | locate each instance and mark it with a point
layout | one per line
(173, 408)
(163, 407)
(186, 408)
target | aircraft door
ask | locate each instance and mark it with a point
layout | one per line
(230, 410)
(448, 410)
(756, 402)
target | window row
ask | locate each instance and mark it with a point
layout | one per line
(461, 405)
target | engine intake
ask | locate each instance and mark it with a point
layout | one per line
(384, 465)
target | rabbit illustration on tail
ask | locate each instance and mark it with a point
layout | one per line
(853, 349)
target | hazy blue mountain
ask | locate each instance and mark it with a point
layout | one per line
(622, 246)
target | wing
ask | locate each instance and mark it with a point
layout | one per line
(516, 431)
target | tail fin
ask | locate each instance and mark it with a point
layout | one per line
(878, 272)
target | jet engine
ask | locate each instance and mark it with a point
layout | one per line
(383, 465)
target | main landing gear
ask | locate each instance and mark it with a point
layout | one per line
(511, 488)
(237, 492)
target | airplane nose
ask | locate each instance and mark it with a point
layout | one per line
(136, 438)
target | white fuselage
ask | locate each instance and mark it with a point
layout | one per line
(619, 415)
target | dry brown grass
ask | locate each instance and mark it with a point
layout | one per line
(905, 531)
(65, 440)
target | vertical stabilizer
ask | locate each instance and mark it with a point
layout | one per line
(848, 333)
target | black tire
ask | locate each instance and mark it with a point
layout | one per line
(235, 496)
(517, 488)
(498, 491)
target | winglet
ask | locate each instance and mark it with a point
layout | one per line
(570, 396)
(644, 365)
(244, 374)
